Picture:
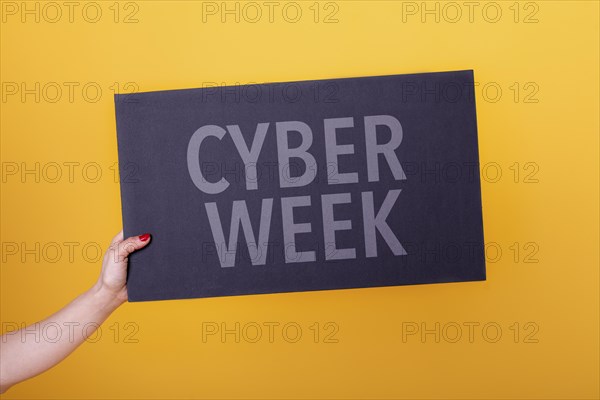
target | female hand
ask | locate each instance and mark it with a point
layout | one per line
(22, 357)
(114, 265)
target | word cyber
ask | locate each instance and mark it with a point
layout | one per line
(374, 220)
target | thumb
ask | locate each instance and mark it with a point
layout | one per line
(131, 244)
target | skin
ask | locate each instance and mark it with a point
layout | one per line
(23, 356)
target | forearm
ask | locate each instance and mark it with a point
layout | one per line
(26, 353)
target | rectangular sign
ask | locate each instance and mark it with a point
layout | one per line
(298, 186)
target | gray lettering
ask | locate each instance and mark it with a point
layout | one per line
(374, 223)
(239, 215)
(330, 226)
(387, 149)
(285, 153)
(249, 157)
(333, 150)
(290, 229)
(193, 161)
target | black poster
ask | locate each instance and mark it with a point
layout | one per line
(298, 186)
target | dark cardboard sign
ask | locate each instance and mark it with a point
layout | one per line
(298, 186)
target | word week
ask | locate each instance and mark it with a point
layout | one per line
(373, 220)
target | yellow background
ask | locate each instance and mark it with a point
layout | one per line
(171, 47)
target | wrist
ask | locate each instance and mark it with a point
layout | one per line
(108, 297)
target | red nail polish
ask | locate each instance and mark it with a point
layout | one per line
(144, 237)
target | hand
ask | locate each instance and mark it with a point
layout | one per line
(114, 266)
(22, 359)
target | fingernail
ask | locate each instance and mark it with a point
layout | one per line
(144, 237)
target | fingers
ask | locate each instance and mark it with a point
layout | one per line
(117, 238)
(131, 244)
